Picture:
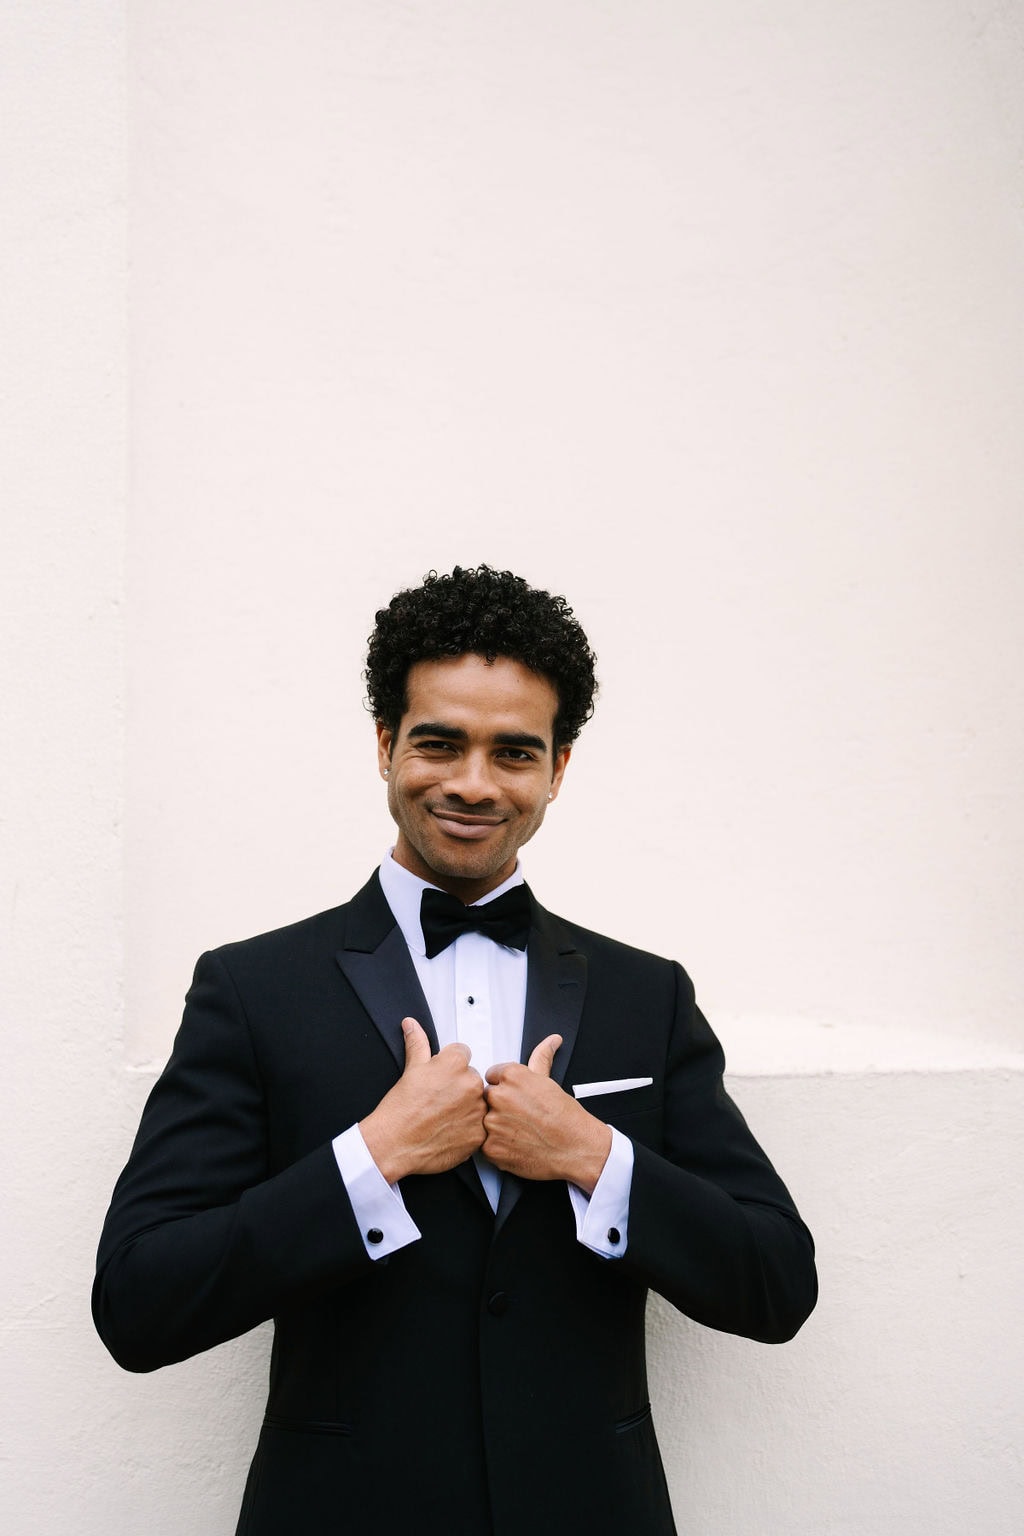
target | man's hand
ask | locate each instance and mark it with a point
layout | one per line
(432, 1119)
(538, 1131)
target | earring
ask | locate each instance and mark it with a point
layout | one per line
(551, 797)
(388, 770)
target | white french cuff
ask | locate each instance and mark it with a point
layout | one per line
(610, 1085)
(602, 1221)
(384, 1223)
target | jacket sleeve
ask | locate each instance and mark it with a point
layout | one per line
(712, 1227)
(201, 1242)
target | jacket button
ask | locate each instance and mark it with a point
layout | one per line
(613, 1234)
(375, 1235)
(497, 1304)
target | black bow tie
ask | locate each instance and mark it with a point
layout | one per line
(506, 919)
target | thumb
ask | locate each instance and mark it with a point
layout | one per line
(417, 1046)
(544, 1054)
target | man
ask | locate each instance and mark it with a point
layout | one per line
(447, 1141)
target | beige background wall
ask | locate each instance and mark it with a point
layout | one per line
(709, 316)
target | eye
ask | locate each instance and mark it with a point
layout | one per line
(517, 755)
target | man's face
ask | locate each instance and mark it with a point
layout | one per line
(470, 769)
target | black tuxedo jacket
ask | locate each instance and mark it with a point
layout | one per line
(489, 1379)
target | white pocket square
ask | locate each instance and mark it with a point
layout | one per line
(613, 1085)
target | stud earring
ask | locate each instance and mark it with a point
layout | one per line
(551, 797)
(388, 770)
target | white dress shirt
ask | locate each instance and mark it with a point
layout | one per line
(476, 992)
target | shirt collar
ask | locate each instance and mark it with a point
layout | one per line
(403, 890)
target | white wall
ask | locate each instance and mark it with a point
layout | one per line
(709, 316)
(62, 504)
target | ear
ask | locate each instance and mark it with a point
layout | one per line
(561, 759)
(385, 742)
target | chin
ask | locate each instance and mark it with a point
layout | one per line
(460, 869)
(455, 866)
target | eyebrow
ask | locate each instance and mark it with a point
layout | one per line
(455, 733)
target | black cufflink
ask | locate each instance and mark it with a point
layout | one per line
(613, 1234)
(375, 1235)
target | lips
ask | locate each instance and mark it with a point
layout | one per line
(470, 828)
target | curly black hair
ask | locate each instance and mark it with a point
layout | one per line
(488, 613)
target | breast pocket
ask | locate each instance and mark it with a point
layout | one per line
(618, 1104)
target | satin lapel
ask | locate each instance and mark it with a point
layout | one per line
(376, 961)
(556, 985)
(386, 984)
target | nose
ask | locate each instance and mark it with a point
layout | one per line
(471, 779)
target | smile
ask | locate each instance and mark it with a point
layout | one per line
(472, 828)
